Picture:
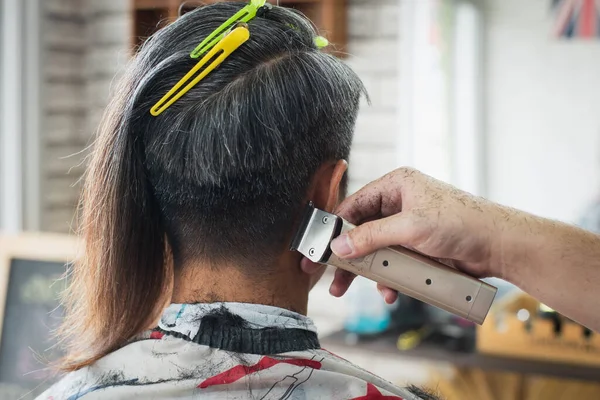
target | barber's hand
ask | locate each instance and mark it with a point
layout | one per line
(411, 209)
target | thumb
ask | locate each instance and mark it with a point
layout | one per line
(371, 236)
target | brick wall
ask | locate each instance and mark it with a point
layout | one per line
(86, 42)
(373, 47)
(63, 118)
(109, 35)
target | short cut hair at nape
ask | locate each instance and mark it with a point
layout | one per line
(230, 162)
(222, 174)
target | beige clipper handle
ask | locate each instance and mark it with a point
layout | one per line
(424, 279)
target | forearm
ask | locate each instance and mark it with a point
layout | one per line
(556, 263)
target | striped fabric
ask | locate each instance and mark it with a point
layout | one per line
(576, 18)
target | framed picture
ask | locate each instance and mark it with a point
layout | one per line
(576, 19)
(32, 272)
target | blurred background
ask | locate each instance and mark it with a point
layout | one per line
(498, 97)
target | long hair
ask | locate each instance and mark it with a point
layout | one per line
(220, 174)
(116, 286)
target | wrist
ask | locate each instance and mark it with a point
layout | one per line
(515, 240)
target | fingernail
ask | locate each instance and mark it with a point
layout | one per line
(333, 289)
(387, 299)
(342, 246)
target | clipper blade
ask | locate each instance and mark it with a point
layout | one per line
(308, 211)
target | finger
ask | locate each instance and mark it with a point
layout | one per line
(371, 236)
(389, 295)
(309, 267)
(381, 197)
(363, 205)
(341, 282)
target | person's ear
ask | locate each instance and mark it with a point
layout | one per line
(327, 184)
(337, 177)
(325, 191)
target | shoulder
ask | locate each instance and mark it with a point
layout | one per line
(127, 370)
(72, 386)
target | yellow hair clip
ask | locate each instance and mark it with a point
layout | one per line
(244, 15)
(226, 46)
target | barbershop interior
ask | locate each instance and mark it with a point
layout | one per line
(120, 198)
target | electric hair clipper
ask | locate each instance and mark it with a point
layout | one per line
(396, 267)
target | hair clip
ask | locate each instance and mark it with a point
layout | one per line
(244, 15)
(321, 42)
(225, 47)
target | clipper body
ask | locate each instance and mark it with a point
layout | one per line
(398, 268)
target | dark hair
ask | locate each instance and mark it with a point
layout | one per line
(222, 174)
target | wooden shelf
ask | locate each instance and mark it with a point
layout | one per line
(386, 344)
(286, 2)
(329, 16)
(150, 4)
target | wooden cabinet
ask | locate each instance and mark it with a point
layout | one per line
(330, 17)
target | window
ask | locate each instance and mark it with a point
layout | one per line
(10, 117)
(19, 114)
(440, 102)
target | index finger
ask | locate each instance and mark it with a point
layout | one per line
(378, 199)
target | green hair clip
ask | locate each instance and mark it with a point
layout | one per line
(244, 15)
(321, 42)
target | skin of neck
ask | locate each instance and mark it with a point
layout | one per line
(282, 284)
(285, 285)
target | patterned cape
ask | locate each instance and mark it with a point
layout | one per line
(225, 351)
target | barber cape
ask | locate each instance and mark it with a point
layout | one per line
(225, 351)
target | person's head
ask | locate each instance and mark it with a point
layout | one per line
(221, 176)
